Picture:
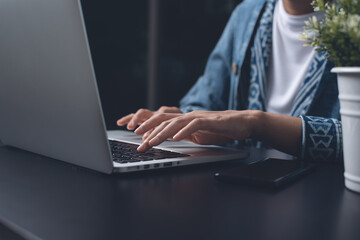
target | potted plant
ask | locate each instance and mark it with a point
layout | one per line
(338, 34)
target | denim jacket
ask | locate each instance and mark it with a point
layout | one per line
(218, 88)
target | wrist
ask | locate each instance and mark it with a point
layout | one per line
(256, 124)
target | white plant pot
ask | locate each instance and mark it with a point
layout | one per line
(349, 95)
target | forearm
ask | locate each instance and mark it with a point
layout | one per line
(278, 131)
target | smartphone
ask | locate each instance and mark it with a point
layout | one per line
(271, 172)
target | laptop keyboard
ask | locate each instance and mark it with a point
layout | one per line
(127, 153)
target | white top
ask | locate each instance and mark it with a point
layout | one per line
(290, 60)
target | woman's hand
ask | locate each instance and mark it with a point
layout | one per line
(200, 127)
(278, 131)
(134, 119)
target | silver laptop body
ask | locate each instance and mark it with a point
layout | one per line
(49, 101)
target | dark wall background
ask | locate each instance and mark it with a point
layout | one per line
(118, 36)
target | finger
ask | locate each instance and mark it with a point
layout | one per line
(168, 131)
(194, 126)
(140, 116)
(154, 121)
(124, 120)
(146, 135)
(166, 109)
(206, 138)
(146, 145)
(154, 132)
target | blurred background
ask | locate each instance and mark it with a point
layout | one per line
(148, 53)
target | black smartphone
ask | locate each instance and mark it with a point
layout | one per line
(271, 172)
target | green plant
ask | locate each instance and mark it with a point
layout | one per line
(338, 33)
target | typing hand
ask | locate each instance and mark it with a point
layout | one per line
(200, 127)
(134, 119)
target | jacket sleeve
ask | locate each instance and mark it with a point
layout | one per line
(321, 139)
(211, 91)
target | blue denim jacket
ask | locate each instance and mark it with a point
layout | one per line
(218, 87)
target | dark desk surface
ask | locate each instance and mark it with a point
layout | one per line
(48, 199)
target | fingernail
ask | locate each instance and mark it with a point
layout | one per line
(140, 148)
(143, 147)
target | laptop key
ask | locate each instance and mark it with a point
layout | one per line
(127, 152)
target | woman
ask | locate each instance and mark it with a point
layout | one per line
(260, 83)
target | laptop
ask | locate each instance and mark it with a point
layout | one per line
(49, 101)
